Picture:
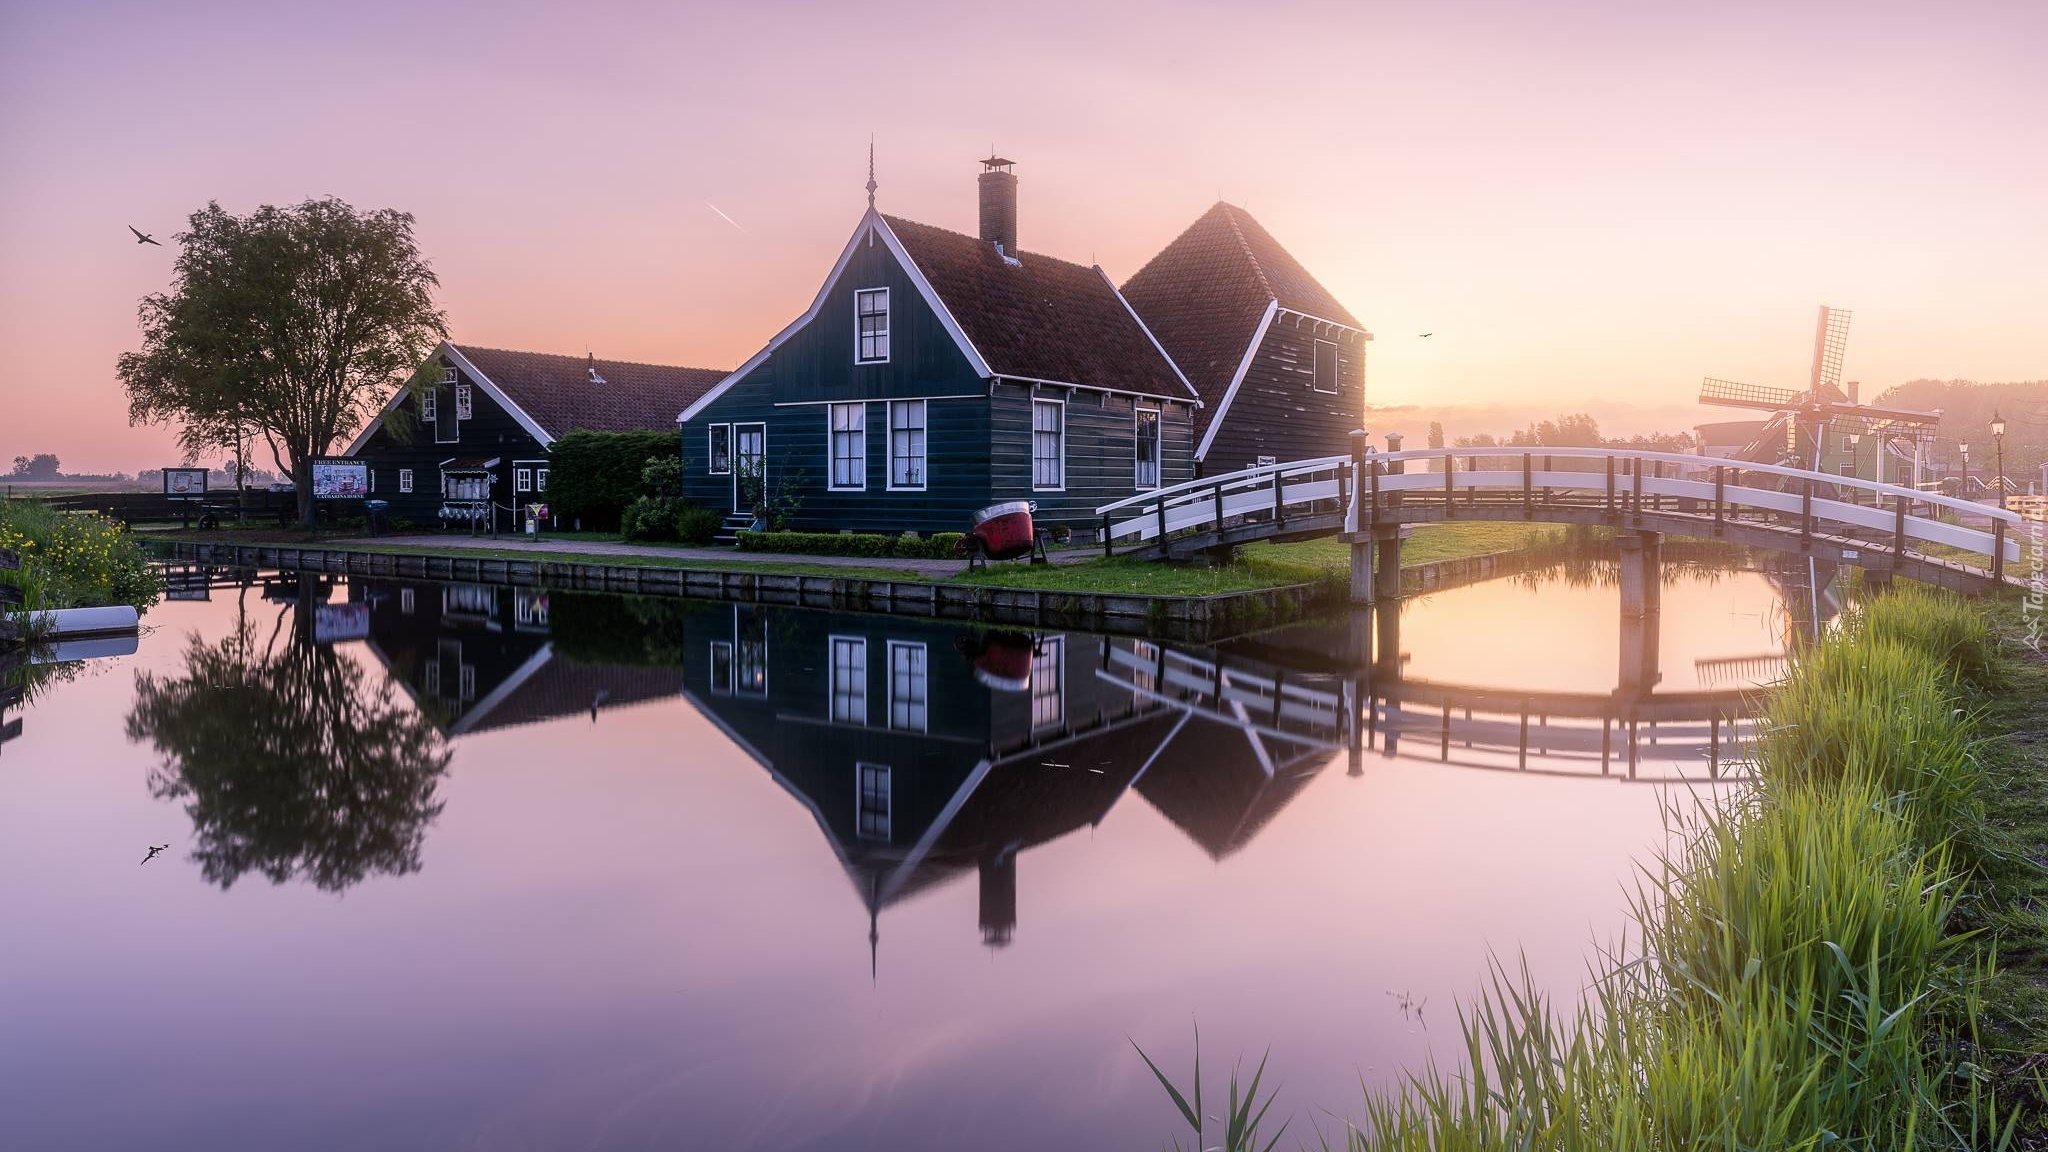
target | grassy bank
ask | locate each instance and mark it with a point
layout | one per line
(1264, 565)
(1807, 975)
(1850, 955)
(72, 561)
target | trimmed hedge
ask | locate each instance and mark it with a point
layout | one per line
(593, 476)
(938, 546)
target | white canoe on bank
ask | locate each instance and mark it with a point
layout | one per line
(69, 623)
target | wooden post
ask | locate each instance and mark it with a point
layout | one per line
(1107, 551)
(1998, 549)
(1361, 539)
(1720, 498)
(1806, 514)
(1218, 493)
(1160, 506)
(1610, 487)
(1526, 512)
(1450, 491)
(1279, 509)
(1898, 530)
(1635, 468)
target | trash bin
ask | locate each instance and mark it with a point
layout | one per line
(377, 512)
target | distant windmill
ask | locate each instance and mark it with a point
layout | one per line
(1799, 421)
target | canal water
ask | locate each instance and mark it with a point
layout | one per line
(460, 866)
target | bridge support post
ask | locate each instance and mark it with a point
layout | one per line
(1642, 584)
(1361, 543)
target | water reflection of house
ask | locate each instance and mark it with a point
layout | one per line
(924, 753)
(479, 657)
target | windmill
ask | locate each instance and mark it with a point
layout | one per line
(1799, 422)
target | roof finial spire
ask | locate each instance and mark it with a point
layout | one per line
(871, 171)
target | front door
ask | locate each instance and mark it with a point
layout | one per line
(749, 466)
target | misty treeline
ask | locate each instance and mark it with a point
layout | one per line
(1577, 430)
(1967, 408)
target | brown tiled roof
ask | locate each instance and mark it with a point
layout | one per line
(1040, 318)
(1203, 295)
(558, 393)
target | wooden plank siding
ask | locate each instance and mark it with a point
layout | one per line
(1277, 411)
(1101, 450)
(490, 431)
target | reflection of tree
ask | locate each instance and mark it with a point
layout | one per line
(290, 764)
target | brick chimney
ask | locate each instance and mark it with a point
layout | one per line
(999, 204)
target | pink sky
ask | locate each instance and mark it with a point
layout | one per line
(1591, 206)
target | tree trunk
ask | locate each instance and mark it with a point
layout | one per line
(302, 480)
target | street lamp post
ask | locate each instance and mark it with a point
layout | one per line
(1998, 439)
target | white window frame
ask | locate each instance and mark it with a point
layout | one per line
(923, 432)
(463, 403)
(407, 600)
(917, 711)
(430, 405)
(852, 688)
(522, 479)
(1158, 448)
(1061, 432)
(880, 337)
(885, 825)
(540, 477)
(1049, 663)
(711, 449)
(859, 434)
(1336, 368)
(449, 375)
(722, 668)
(405, 480)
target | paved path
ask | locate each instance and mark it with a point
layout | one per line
(938, 569)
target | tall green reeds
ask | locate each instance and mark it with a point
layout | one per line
(1798, 984)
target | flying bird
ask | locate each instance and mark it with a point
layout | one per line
(142, 237)
(723, 216)
(1425, 335)
(153, 850)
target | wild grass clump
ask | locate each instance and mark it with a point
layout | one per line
(72, 560)
(1939, 623)
(1799, 982)
(1865, 708)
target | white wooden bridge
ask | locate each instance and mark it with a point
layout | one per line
(1367, 497)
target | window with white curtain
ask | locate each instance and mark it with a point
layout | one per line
(849, 680)
(849, 446)
(909, 686)
(906, 444)
(1048, 444)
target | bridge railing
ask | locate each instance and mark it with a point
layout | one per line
(1619, 482)
(1627, 482)
(1275, 489)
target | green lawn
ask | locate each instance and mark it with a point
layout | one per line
(1262, 565)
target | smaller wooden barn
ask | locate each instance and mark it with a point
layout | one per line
(1279, 363)
(476, 446)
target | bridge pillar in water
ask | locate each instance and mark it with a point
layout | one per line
(1642, 572)
(1642, 584)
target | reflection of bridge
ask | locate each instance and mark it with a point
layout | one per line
(1367, 498)
(1486, 726)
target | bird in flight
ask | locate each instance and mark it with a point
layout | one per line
(142, 237)
(153, 850)
(1425, 335)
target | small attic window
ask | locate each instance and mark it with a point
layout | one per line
(1326, 368)
(871, 326)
